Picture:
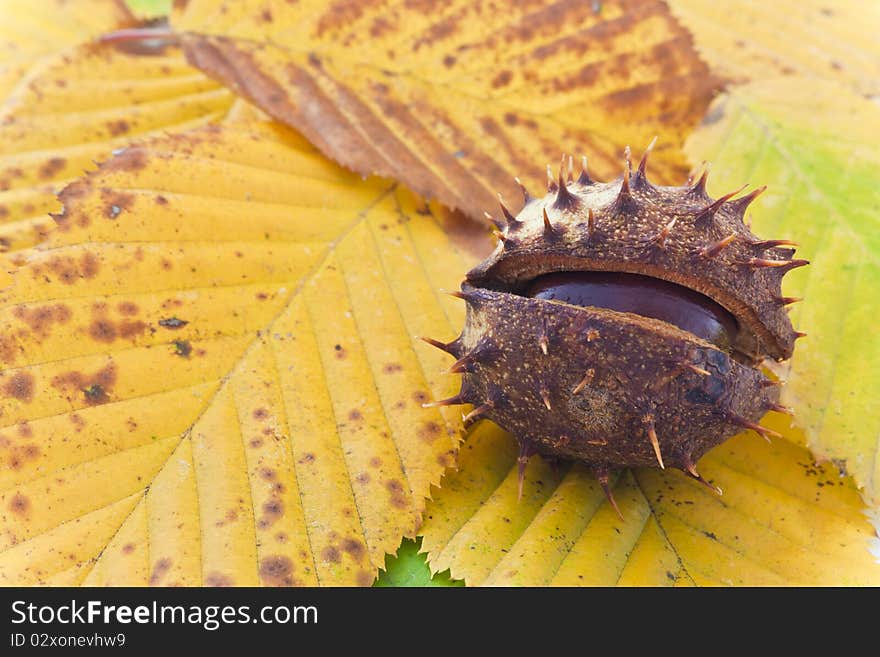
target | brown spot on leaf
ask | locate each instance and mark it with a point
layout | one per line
(308, 457)
(273, 509)
(218, 579)
(429, 432)
(51, 167)
(117, 128)
(160, 568)
(391, 368)
(331, 554)
(256, 443)
(89, 265)
(95, 394)
(20, 386)
(437, 32)
(93, 389)
(354, 547)
(380, 27)
(20, 505)
(398, 498)
(260, 413)
(276, 570)
(8, 349)
(131, 159)
(363, 478)
(268, 474)
(102, 330)
(355, 415)
(41, 318)
(182, 348)
(375, 461)
(127, 308)
(341, 353)
(420, 397)
(502, 79)
(342, 13)
(128, 548)
(364, 578)
(69, 270)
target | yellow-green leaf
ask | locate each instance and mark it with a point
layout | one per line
(210, 374)
(76, 108)
(806, 38)
(816, 144)
(32, 29)
(456, 98)
(782, 520)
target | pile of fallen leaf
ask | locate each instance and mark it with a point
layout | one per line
(218, 249)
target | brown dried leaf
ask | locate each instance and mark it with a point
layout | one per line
(457, 98)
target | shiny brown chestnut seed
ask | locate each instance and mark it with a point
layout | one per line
(640, 295)
(566, 347)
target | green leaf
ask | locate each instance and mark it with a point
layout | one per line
(149, 8)
(410, 568)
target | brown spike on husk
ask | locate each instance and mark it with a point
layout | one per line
(551, 182)
(764, 432)
(642, 172)
(584, 382)
(691, 470)
(544, 393)
(448, 347)
(771, 244)
(763, 263)
(738, 206)
(648, 421)
(525, 192)
(525, 453)
(584, 177)
(714, 249)
(549, 231)
(479, 411)
(709, 211)
(455, 400)
(509, 218)
(602, 476)
(699, 188)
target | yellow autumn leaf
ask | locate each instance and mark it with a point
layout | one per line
(456, 98)
(77, 107)
(804, 38)
(816, 144)
(33, 29)
(782, 520)
(209, 372)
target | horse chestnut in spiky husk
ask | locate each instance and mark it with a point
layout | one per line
(623, 324)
